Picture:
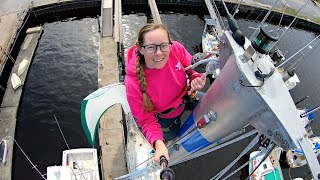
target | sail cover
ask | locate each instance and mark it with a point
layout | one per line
(94, 106)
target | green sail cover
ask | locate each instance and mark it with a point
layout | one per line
(94, 106)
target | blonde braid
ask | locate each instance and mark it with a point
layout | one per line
(143, 84)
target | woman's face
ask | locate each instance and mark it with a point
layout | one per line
(155, 48)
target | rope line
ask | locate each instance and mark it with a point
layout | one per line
(33, 165)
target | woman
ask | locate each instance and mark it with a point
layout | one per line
(156, 84)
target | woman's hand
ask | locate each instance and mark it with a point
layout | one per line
(197, 84)
(161, 150)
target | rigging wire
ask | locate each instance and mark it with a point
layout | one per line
(235, 171)
(247, 17)
(237, 9)
(262, 160)
(264, 19)
(252, 143)
(284, 8)
(218, 14)
(296, 16)
(270, 20)
(259, 15)
(33, 165)
(217, 147)
(280, 65)
(172, 144)
(309, 52)
(153, 166)
(65, 141)
(251, 12)
(290, 173)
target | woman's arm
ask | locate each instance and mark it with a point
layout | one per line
(148, 123)
(146, 120)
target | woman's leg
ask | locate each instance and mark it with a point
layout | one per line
(170, 127)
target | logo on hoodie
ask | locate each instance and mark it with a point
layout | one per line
(178, 66)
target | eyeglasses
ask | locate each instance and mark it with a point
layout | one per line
(152, 48)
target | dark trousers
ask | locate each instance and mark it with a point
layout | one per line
(171, 126)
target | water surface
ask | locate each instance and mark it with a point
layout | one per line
(63, 72)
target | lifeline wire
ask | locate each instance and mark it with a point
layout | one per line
(262, 160)
(280, 65)
(65, 141)
(284, 8)
(290, 24)
(33, 165)
(298, 62)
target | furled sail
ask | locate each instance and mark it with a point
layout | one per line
(95, 104)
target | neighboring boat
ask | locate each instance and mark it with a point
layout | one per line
(296, 157)
(276, 56)
(266, 169)
(210, 48)
(3, 151)
(79, 163)
(210, 38)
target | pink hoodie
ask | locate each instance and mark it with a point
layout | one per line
(165, 87)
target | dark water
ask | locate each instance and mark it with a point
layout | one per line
(63, 72)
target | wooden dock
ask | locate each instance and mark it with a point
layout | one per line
(111, 132)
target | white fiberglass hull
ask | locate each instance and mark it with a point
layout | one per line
(79, 163)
